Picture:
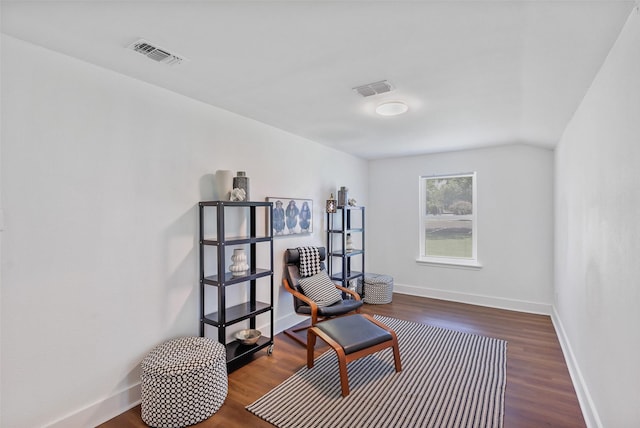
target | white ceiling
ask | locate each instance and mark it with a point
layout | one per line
(474, 73)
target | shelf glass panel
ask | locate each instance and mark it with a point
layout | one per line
(236, 240)
(236, 350)
(352, 275)
(347, 253)
(229, 279)
(235, 204)
(238, 313)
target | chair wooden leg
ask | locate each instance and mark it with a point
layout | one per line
(396, 348)
(344, 376)
(396, 355)
(312, 334)
(311, 343)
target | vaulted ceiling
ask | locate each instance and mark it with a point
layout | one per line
(474, 73)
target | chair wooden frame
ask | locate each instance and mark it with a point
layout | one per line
(315, 318)
(344, 359)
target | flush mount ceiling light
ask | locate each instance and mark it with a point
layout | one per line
(392, 108)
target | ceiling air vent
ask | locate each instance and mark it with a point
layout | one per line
(156, 53)
(374, 88)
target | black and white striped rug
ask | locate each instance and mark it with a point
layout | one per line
(448, 379)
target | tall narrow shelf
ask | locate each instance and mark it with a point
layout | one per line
(214, 217)
(345, 221)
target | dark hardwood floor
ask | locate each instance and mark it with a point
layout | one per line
(539, 391)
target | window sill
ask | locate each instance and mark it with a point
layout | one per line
(453, 263)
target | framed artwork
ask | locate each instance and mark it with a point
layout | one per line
(291, 216)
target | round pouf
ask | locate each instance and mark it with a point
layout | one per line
(378, 289)
(184, 381)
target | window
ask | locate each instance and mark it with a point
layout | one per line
(448, 226)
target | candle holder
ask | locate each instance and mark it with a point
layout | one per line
(331, 204)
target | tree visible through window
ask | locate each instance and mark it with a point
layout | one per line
(448, 225)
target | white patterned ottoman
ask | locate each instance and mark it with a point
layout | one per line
(184, 381)
(378, 289)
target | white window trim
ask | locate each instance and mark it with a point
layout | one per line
(448, 261)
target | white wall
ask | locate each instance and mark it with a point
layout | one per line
(598, 238)
(101, 175)
(515, 226)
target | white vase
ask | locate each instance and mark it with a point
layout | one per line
(349, 246)
(239, 259)
(224, 184)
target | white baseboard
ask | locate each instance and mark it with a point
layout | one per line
(587, 406)
(101, 411)
(589, 411)
(475, 299)
(122, 401)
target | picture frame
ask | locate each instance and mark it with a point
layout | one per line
(291, 216)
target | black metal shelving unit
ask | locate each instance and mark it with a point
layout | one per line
(227, 316)
(346, 220)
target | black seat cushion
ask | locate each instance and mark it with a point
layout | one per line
(339, 308)
(354, 332)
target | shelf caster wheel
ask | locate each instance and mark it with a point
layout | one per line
(270, 350)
